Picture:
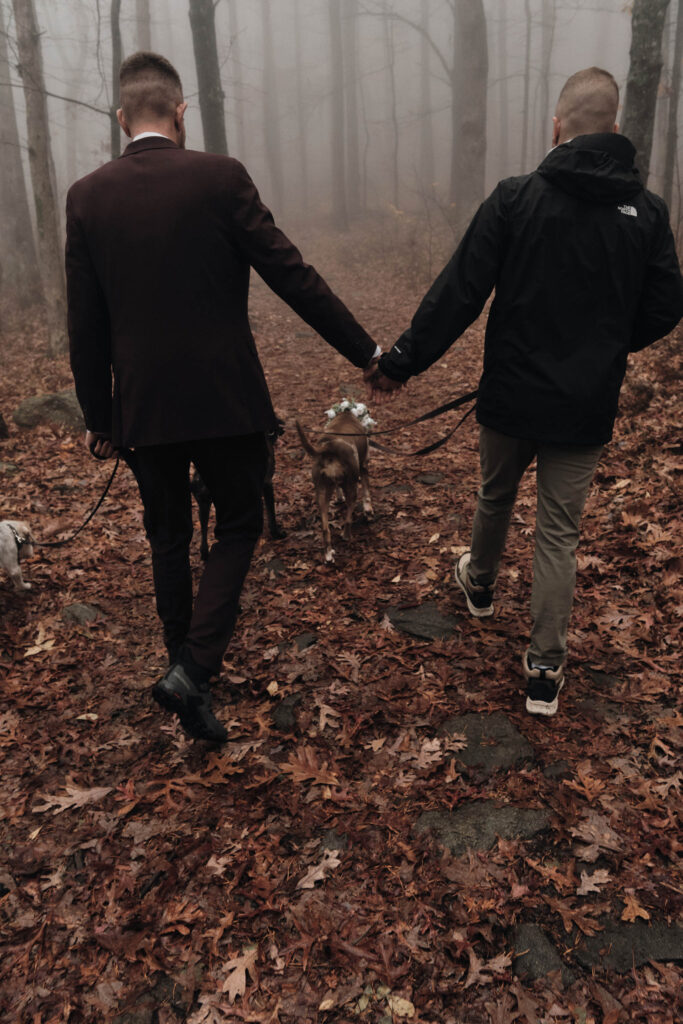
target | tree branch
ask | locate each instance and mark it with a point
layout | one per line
(55, 96)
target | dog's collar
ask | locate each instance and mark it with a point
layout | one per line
(19, 541)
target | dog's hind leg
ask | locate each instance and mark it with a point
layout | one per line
(323, 495)
(17, 579)
(350, 495)
(365, 491)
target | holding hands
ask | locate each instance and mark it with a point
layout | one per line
(378, 387)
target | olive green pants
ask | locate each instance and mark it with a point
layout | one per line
(563, 476)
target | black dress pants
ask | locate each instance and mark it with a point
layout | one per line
(233, 469)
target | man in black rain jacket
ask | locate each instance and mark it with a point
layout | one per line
(584, 267)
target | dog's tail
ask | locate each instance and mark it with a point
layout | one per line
(310, 448)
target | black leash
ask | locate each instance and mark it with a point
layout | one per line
(67, 540)
(428, 448)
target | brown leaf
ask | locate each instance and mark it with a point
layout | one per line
(74, 797)
(303, 764)
(633, 910)
(236, 970)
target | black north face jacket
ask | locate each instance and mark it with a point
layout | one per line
(585, 270)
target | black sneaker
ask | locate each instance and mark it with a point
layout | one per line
(479, 599)
(543, 684)
(191, 703)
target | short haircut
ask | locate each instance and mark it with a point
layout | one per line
(150, 88)
(588, 103)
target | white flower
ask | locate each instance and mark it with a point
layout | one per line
(360, 409)
(330, 414)
(345, 405)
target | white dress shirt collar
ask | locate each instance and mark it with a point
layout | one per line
(150, 135)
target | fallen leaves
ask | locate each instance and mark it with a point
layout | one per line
(74, 797)
(318, 872)
(303, 766)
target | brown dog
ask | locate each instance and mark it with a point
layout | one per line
(339, 462)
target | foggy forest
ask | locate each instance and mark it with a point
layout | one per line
(312, 868)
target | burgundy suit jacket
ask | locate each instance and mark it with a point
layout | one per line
(159, 248)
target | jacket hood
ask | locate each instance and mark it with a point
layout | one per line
(597, 168)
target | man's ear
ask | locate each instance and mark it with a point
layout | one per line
(616, 128)
(556, 131)
(180, 114)
(122, 121)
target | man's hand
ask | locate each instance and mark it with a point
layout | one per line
(99, 445)
(379, 388)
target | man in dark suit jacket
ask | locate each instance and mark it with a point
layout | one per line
(159, 248)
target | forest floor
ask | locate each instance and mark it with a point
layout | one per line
(387, 835)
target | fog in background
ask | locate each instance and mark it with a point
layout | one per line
(405, 71)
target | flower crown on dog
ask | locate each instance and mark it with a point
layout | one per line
(357, 409)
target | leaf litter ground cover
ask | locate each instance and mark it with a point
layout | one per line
(313, 868)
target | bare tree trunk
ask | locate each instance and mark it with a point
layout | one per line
(339, 209)
(302, 122)
(116, 58)
(211, 96)
(18, 259)
(470, 166)
(549, 15)
(236, 55)
(643, 78)
(350, 47)
(504, 89)
(42, 173)
(672, 130)
(271, 117)
(527, 87)
(390, 59)
(144, 24)
(426, 123)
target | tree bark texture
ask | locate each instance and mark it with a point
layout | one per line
(211, 96)
(675, 95)
(271, 118)
(643, 78)
(116, 58)
(144, 24)
(472, 70)
(42, 173)
(20, 279)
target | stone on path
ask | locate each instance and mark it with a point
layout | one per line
(276, 566)
(477, 825)
(425, 621)
(305, 640)
(283, 715)
(624, 945)
(535, 955)
(80, 613)
(429, 478)
(492, 741)
(60, 408)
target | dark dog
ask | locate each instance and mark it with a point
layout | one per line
(203, 498)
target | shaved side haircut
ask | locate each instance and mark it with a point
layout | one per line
(588, 103)
(150, 87)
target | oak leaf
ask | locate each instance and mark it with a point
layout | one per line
(303, 764)
(235, 983)
(633, 910)
(74, 797)
(318, 871)
(592, 883)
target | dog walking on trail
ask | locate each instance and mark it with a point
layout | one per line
(585, 271)
(159, 247)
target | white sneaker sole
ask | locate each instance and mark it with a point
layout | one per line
(478, 613)
(543, 707)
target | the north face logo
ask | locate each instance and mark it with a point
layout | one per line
(630, 211)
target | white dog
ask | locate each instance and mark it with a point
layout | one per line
(16, 542)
